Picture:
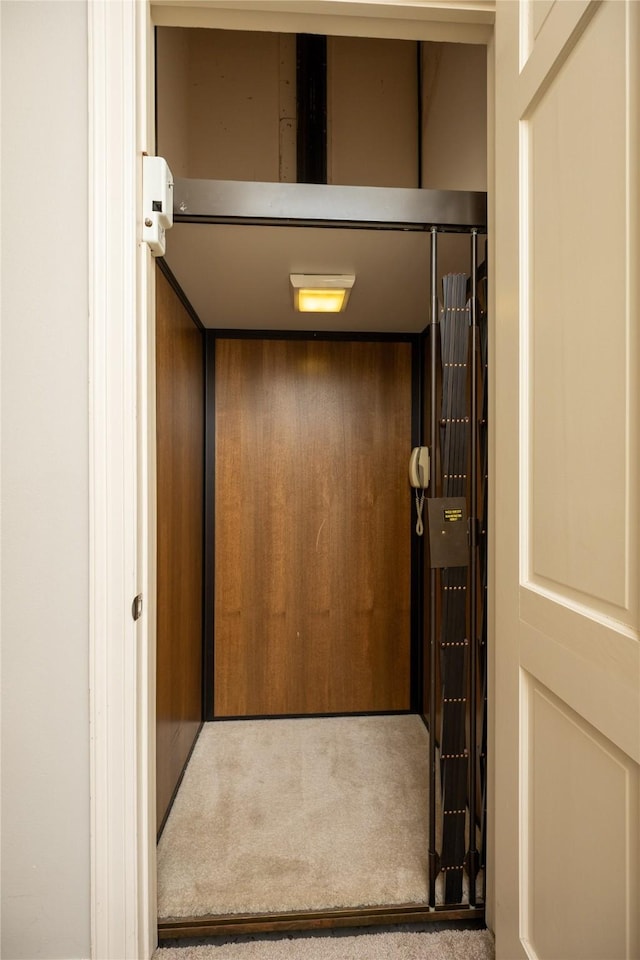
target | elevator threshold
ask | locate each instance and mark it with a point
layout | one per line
(237, 924)
(300, 823)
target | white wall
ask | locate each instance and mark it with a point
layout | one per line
(45, 623)
(172, 89)
(372, 112)
(226, 104)
(454, 116)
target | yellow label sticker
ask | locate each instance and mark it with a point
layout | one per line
(452, 513)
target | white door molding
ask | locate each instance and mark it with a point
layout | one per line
(121, 741)
(443, 21)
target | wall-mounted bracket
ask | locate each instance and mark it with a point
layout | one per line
(157, 200)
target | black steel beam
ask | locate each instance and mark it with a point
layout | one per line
(317, 205)
(311, 108)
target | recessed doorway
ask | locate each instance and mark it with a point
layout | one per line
(254, 371)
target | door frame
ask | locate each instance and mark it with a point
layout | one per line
(121, 484)
(122, 425)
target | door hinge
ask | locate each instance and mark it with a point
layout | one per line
(157, 203)
(136, 607)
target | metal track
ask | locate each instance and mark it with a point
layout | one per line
(481, 290)
(454, 642)
(230, 924)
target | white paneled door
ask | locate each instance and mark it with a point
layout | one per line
(567, 483)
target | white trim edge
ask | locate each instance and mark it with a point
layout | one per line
(119, 847)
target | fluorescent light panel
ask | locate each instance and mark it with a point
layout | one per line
(321, 293)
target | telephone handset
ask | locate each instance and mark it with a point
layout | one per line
(419, 479)
(419, 468)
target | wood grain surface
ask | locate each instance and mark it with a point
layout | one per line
(180, 434)
(313, 514)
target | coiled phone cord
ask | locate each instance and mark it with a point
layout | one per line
(419, 509)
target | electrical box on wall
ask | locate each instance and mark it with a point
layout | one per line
(157, 200)
(448, 541)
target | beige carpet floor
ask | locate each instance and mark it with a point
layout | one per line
(445, 945)
(297, 815)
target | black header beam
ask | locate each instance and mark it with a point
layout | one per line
(314, 205)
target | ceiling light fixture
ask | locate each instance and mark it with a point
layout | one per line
(321, 293)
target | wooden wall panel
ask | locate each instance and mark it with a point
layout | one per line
(312, 566)
(180, 433)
